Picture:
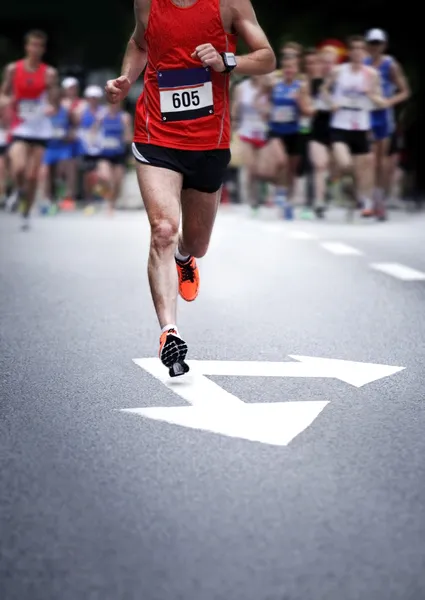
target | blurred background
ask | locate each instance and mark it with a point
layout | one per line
(87, 41)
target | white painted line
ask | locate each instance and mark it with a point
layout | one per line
(399, 271)
(340, 249)
(302, 235)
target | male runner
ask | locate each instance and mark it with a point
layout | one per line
(58, 150)
(182, 134)
(252, 130)
(27, 83)
(115, 126)
(320, 141)
(4, 124)
(74, 104)
(87, 119)
(355, 91)
(396, 89)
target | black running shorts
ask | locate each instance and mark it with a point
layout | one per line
(357, 141)
(33, 142)
(291, 142)
(202, 170)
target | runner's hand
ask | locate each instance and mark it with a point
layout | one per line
(49, 110)
(117, 89)
(209, 57)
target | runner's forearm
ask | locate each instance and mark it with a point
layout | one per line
(398, 98)
(134, 61)
(259, 62)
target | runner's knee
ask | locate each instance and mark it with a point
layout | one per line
(164, 233)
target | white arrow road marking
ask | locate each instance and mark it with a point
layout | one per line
(276, 423)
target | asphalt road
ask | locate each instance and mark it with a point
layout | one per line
(97, 503)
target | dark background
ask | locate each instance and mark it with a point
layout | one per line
(86, 35)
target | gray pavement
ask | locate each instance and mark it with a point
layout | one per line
(97, 503)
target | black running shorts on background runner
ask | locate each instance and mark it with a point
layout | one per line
(33, 142)
(320, 131)
(291, 142)
(357, 141)
(202, 170)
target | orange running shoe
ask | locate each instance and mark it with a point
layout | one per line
(188, 279)
(172, 352)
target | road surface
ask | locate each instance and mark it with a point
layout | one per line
(100, 503)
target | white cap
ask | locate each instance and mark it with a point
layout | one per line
(69, 82)
(93, 91)
(376, 35)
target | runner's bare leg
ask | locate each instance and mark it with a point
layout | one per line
(160, 189)
(32, 174)
(199, 210)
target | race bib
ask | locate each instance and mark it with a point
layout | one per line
(3, 137)
(111, 143)
(185, 94)
(58, 133)
(284, 114)
(28, 109)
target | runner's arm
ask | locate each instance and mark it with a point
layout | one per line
(136, 57)
(235, 110)
(128, 128)
(52, 81)
(375, 91)
(400, 81)
(304, 100)
(327, 87)
(261, 60)
(6, 86)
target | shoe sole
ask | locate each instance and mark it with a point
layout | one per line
(174, 351)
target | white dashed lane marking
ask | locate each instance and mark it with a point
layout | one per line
(341, 249)
(302, 235)
(399, 271)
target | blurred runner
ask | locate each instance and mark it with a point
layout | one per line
(320, 142)
(396, 89)
(356, 89)
(58, 151)
(87, 118)
(278, 160)
(117, 134)
(311, 69)
(182, 134)
(74, 104)
(4, 124)
(252, 130)
(27, 83)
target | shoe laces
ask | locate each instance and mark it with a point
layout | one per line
(187, 272)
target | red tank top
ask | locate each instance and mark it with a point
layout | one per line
(29, 88)
(184, 105)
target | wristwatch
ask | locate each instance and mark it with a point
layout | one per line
(229, 61)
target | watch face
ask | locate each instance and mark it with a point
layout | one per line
(230, 59)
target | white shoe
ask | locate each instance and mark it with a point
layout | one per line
(25, 222)
(12, 201)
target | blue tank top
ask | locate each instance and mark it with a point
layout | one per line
(384, 71)
(285, 112)
(112, 129)
(90, 136)
(61, 124)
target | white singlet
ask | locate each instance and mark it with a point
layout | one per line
(3, 136)
(252, 125)
(350, 95)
